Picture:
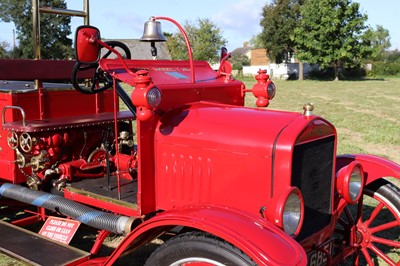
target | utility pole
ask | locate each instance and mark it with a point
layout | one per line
(13, 39)
(301, 71)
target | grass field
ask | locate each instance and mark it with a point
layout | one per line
(366, 113)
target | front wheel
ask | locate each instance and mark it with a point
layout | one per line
(200, 249)
(372, 228)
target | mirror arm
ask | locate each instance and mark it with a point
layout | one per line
(118, 55)
(103, 44)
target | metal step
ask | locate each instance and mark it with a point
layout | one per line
(35, 249)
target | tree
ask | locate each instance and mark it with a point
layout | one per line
(205, 38)
(3, 49)
(239, 60)
(54, 28)
(380, 42)
(256, 41)
(279, 19)
(331, 31)
(393, 56)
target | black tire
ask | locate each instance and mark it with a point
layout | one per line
(379, 226)
(197, 247)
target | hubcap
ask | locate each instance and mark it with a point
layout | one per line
(363, 236)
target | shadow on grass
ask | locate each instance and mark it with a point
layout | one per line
(357, 74)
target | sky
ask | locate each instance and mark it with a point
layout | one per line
(239, 20)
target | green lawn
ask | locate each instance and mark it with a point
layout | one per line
(366, 113)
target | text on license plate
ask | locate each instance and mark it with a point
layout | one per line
(317, 258)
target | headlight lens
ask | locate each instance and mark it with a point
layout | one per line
(292, 214)
(355, 183)
(271, 89)
(154, 97)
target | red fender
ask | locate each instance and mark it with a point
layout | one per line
(263, 242)
(375, 167)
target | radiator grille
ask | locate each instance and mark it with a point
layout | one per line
(312, 174)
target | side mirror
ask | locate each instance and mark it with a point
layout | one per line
(224, 53)
(225, 67)
(87, 47)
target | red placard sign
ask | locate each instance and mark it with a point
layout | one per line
(59, 229)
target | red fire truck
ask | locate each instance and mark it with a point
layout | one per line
(220, 183)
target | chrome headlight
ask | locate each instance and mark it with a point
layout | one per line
(350, 182)
(292, 213)
(355, 186)
(287, 211)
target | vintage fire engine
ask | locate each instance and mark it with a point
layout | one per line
(221, 183)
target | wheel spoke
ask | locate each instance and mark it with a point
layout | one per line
(386, 242)
(356, 258)
(374, 214)
(382, 255)
(372, 226)
(383, 227)
(367, 257)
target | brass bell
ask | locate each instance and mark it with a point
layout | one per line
(152, 32)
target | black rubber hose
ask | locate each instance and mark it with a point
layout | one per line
(101, 220)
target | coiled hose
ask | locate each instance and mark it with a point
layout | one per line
(101, 220)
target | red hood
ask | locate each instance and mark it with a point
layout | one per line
(224, 128)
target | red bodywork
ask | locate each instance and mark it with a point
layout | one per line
(202, 160)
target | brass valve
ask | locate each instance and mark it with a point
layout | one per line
(38, 162)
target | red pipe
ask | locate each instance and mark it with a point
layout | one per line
(186, 41)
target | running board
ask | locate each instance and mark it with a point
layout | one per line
(35, 249)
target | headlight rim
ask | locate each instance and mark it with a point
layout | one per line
(344, 181)
(276, 208)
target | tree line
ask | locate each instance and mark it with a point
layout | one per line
(324, 32)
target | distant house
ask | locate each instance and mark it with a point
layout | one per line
(257, 56)
(259, 60)
(245, 50)
(141, 50)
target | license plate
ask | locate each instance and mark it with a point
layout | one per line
(317, 258)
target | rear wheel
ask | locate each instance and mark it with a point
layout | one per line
(372, 228)
(197, 249)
